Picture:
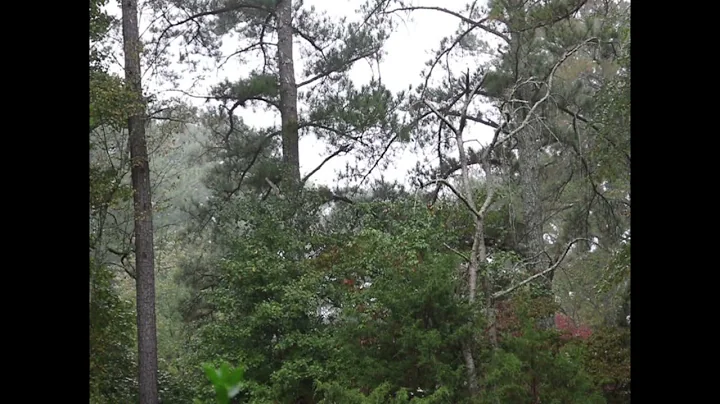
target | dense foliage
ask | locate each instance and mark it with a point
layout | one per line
(497, 273)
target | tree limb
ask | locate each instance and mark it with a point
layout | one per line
(475, 24)
(551, 76)
(458, 194)
(336, 68)
(382, 155)
(275, 188)
(218, 11)
(541, 273)
(342, 149)
(461, 255)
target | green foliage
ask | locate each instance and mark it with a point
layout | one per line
(607, 359)
(227, 381)
(371, 315)
(266, 303)
(110, 102)
(366, 302)
(263, 303)
(99, 25)
(257, 86)
(497, 82)
(112, 319)
(535, 363)
(112, 336)
(406, 327)
(106, 189)
(617, 270)
(359, 109)
(383, 394)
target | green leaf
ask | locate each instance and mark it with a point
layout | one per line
(235, 376)
(226, 380)
(221, 394)
(212, 374)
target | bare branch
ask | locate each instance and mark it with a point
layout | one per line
(382, 155)
(541, 273)
(475, 24)
(440, 55)
(551, 76)
(441, 116)
(259, 44)
(311, 41)
(572, 10)
(231, 193)
(342, 149)
(461, 255)
(458, 194)
(218, 11)
(274, 188)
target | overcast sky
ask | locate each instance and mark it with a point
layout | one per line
(407, 50)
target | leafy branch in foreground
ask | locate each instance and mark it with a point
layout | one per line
(226, 380)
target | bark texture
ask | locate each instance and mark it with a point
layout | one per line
(529, 141)
(529, 157)
(288, 91)
(144, 249)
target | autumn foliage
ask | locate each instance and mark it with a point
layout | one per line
(569, 328)
(508, 322)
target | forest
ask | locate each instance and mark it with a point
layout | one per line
(331, 221)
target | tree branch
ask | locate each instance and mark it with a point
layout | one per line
(336, 68)
(541, 273)
(574, 9)
(342, 149)
(475, 24)
(382, 155)
(458, 194)
(551, 76)
(461, 255)
(218, 11)
(275, 188)
(441, 117)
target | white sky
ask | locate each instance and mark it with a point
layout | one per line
(406, 52)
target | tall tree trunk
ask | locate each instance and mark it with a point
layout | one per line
(529, 145)
(144, 253)
(529, 161)
(288, 92)
(472, 378)
(529, 141)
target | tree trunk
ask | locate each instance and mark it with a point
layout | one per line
(144, 254)
(530, 193)
(529, 144)
(288, 92)
(529, 141)
(478, 254)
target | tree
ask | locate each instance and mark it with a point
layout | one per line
(441, 291)
(112, 362)
(350, 119)
(143, 230)
(529, 84)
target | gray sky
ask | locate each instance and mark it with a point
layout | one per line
(406, 52)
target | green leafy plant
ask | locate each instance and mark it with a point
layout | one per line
(226, 380)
